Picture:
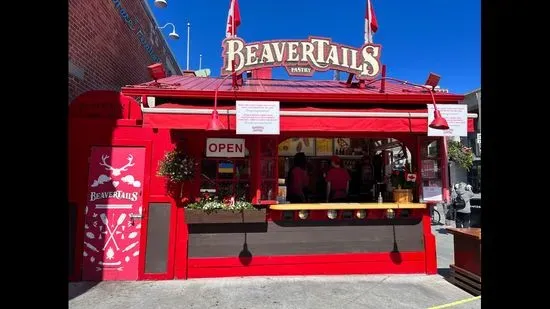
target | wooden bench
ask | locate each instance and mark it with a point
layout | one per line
(466, 271)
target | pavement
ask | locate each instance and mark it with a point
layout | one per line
(350, 292)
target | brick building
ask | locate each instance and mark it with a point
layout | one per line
(111, 43)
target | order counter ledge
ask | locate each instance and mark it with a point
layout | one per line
(352, 206)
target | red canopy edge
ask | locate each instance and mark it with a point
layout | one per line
(403, 122)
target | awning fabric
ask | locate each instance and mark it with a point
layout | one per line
(191, 121)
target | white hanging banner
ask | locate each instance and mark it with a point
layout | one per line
(258, 117)
(456, 116)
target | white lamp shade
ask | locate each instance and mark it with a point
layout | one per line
(161, 4)
(174, 35)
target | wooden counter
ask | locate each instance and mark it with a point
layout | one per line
(345, 206)
(466, 270)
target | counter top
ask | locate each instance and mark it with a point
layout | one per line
(345, 206)
(468, 232)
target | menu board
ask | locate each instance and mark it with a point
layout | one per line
(291, 146)
(323, 147)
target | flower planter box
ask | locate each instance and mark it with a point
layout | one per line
(197, 216)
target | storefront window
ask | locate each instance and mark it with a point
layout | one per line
(432, 181)
(226, 177)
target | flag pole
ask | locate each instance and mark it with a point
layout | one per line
(233, 18)
(188, 38)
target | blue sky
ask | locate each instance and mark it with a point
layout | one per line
(417, 37)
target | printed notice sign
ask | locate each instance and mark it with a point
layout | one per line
(258, 117)
(432, 194)
(456, 116)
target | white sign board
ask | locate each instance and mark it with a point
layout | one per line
(432, 194)
(258, 117)
(456, 116)
(225, 147)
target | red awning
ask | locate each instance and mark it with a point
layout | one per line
(307, 119)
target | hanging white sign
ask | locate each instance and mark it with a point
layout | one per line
(456, 116)
(258, 117)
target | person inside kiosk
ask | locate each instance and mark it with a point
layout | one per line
(337, 180)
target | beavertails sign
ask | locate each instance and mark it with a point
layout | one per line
(301, 57)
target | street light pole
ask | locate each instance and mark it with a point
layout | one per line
(188, 37)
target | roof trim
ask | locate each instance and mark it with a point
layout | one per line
(293, 97)
(355, 114)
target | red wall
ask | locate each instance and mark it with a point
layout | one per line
(105, 53)
(103, 118)
(121, 125)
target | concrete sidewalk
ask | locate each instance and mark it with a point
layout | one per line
(319, 292)
(377, 292)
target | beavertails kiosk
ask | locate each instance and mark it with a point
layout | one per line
(244, 130)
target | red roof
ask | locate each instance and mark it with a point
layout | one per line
(178, 86)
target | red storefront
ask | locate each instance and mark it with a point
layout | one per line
(132, 226)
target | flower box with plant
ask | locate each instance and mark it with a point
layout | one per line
(212, 209)
(403, 183)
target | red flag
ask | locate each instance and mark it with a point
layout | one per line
(371, 24)
(233, 19)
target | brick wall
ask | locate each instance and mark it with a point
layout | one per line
(111, 43)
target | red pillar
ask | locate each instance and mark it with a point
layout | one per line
(429, 243)
(194, 146)
(429, 238)
(256, 170)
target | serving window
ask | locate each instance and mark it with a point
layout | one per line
(369, 162)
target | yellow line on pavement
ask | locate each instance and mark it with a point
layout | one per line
(458, 302)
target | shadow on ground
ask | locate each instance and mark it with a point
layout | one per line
(78, 288)
(442, 231)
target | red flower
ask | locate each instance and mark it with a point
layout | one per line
(185, 200)
(197, 199)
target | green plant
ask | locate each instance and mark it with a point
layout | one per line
(177, 166)
(212, 203)
(460, 154)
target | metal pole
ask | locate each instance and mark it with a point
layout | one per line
(188, 37)
(200, 61)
